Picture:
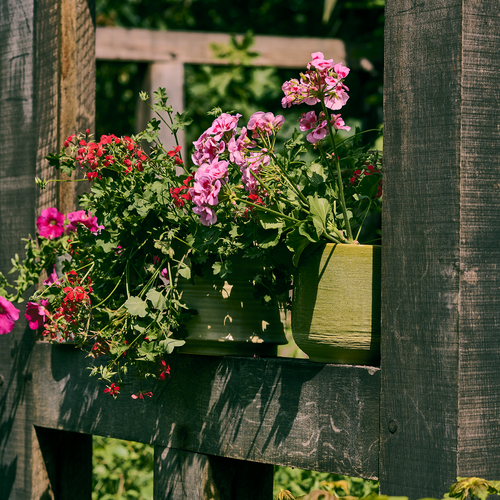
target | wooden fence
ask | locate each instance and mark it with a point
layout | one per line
(431, 412)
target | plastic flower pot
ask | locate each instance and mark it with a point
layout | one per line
(336, 305)
(229, 320)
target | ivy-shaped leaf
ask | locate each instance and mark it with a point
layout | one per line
(136, 306)
(157, 299)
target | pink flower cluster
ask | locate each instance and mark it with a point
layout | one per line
(212, 142)
(251, 162)
(323, 80)
(208, 181)
(261, 123)
(50, 223)
(212, 173)
(318, 127)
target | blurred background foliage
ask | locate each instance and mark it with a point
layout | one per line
(122, 469)
(359, 23)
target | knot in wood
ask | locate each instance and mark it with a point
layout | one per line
(393, 426)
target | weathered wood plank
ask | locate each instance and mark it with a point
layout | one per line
(67, 462)
(279, 411)
(441, 281)
(17, 208)
(181, 475)
(76, 107)
(479, 379)
(192, 47)
(29, 54)
(169, 75)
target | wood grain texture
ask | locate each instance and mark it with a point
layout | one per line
(278, 411)
(191, 47)
(28, 119)
(67, 463)
(76, 105)
(17, 201)
(440, 290)
(479, 379)
(181, 475)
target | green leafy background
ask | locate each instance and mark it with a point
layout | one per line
(124, 470)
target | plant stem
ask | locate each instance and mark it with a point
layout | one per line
(293, 186)
(265, 209)
(364, 218)
(339, 174)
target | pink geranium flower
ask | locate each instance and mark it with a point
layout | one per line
(50, 223)
(308, 121)
(319, 62)
(338, 123)
(224, 123)
(8, 316)
(265, 123)
(207, 215)
(323, 81)
(35, 313)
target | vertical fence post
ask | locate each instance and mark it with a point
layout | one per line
(169, 75)
(183, 475)
(31, 49)
(441, 254)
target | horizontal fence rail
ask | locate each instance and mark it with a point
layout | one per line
(271, 410)
(194, 48)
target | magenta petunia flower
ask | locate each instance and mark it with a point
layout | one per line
(35, 314)
(80, 217)
(52, 277)
(8, 316)
(50, 223)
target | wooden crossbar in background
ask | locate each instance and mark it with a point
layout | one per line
(168, 51)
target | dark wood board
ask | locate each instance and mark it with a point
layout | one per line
(479, 377)
(29, 93)
(441, 282)
(181, 475)
(277, 411)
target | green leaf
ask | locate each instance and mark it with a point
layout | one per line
(146, 351)
(222, 268)
(307, 231)
(320, 208)
(157, 299)
(141, 204)
(136, 306)
(168, 345)
(296, 242)
(105, 243)
(368, 186)
(269, 221)
(269, 238)
(316, 174)
(152, 130)
(181, 121)
(184, 271)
